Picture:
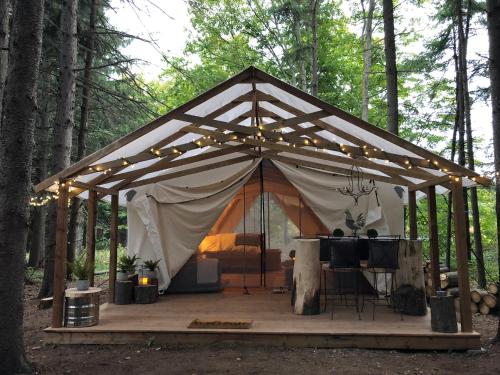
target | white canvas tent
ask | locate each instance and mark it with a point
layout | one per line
(168, 220)
(250, 116)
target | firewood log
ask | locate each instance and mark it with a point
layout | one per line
(449, 280)
(492, 288)
(484, 309)
(476, 295)
(490, 300)
(474, 308)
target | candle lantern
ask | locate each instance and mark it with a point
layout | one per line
(144, 278)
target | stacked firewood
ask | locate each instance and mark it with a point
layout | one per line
(483, 301)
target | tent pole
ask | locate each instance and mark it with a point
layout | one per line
(113, 247)
(60, 255)
(412, 214)
(433, 237)
(461, 249)
(262, 230)
(91, 221)
(245, 288)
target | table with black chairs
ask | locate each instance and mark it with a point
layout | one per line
(356, 256)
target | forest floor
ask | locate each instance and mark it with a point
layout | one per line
(225, 359)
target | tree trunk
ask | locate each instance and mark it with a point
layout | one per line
(5, 9)
(40, 173)
(450, 199)
(367, 56)
(391, 72)
(16, 145)
(63, 126)
(493, 19)
(459, 66)
(478, 243)
(314, 47)
(299, 44)
(74, 216)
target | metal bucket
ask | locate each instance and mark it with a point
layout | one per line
(81, 310)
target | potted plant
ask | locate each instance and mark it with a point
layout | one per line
(337, 232)
(151, 267)
(81, 269)
(126, 267)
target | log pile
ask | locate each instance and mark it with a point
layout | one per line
(483, 301)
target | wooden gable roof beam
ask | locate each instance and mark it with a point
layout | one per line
(245, 130)
(92, 158)
(371, 128)
(187, 172)
(276, 148)
(167, 164)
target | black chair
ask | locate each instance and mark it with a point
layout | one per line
(345, 259)
(383, 257)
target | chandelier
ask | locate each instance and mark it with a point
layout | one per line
(355, 187)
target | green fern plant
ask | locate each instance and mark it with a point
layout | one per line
(151, 265)
(80, 268)
(127, 264)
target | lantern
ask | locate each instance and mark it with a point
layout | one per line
(144, 278)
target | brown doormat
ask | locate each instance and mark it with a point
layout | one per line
(217, 324)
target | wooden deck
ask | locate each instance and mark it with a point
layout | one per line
(274, 324)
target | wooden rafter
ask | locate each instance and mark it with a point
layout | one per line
(444, 163)
(186, 172)
(308, 152)
(88, 160)
(362, 153)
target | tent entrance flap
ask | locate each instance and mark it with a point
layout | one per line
(253, 237)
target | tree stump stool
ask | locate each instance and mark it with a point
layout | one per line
(306, 278)
(145, 294)
(443, 315)
(81, 307)
(123, 292)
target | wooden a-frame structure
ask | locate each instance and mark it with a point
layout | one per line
(254, 115)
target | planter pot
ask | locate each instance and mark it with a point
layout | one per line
(122, 276)
(82, 284)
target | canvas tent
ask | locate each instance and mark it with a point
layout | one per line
(205, 149)
(168, 220)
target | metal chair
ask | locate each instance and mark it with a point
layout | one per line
(345, 259)
(383, 257)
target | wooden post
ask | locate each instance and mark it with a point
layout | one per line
(60, 255)
(113, 247)
(412, 214)
(433, 238)
(91, 220)
(461, 249)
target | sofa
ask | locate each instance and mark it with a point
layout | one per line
(198, 275)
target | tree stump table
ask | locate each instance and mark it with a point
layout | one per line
(145, 294)
(81, 307)
(123, 292)
(306, 277)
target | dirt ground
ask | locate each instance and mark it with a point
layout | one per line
(224, 359)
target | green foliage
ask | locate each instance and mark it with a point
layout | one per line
(151, 265)
(80, 268)
(337, 232)
(127, 263)
(372, 233)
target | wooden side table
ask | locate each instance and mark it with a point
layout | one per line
(81, 307)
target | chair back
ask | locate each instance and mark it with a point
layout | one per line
(344, 253)
(383, 253)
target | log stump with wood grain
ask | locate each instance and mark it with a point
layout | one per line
(306, 278)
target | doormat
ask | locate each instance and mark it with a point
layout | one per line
(218, 324)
